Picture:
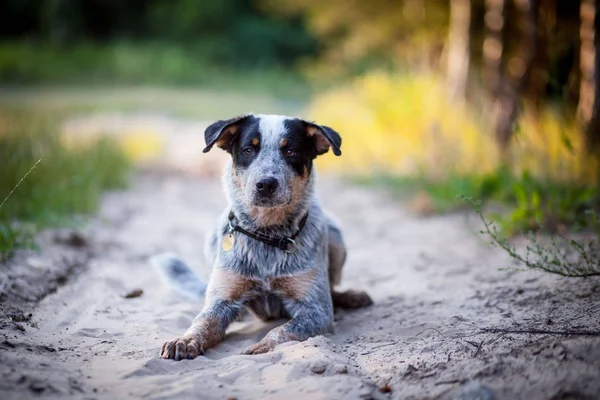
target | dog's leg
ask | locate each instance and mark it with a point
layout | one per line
(308, 301)
(337, 257)
(224, 301)
(207, 330)
(309, 321)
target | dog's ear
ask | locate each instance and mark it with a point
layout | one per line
(222, 133)
(324, 138)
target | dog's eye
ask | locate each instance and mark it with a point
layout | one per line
(290, 153)
(248, 151)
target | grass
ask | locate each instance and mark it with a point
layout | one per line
(184, 102)
(525, 202)
(67, 181)
(24, 63)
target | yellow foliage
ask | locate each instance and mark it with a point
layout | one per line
(141, 145)
(138, 145)
(406, 125)
(553, 149)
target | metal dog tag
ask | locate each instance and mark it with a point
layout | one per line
(228, 242)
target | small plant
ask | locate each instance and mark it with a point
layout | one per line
(562, 256)
(14, 237)
(68, 181)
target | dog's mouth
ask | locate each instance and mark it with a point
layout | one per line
(276, 200)
(269, 203)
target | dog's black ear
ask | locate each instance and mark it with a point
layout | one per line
(324, 138)
(222, 133)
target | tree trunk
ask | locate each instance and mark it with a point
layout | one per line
(519, 69)
(588, 109)
(539, 77)
(493, 45)
(458, 49)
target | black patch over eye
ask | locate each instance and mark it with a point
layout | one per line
(247, 146)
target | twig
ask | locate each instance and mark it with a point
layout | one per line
(478, 348)
(22, 179)
(383, 345)
(377, 347)
(476, 345)
(426, 329)
(450, 382)
(541, 332)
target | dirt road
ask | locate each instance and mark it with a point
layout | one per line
(435, 285)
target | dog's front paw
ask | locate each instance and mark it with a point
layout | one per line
(264, 346)
(186, 347)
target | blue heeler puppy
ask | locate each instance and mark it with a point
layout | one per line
(273, 251)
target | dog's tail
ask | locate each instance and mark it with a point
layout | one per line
(176, 273)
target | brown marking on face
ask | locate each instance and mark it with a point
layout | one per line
(295, 286)
(283, 142)
(231, 286)
(255, 141)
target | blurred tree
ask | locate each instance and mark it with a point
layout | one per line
(588, 109)
(229, 32)
(493, 45)
(358, 35)
(525, 50)
(518, 71)
(235, 32)
(458, 49)
(540, 68)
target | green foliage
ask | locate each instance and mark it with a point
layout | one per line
(547, 205)
(232, 32)
(14, 237)
(561, 256)
(528, 203)
(130, 63)
(237, 34)
(67, 180)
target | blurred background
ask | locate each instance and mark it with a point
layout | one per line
(491, 99)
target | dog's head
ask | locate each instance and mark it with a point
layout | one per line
(272, 155)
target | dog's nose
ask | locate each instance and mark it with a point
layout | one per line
(267, 186)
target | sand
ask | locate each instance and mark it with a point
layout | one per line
(68, 328)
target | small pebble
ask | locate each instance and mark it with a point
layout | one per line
(318, 367)
(340, 369)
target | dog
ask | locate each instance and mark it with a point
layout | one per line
(273, 251)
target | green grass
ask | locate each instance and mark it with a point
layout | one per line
(185, 102)
(24, 63)
(66, 181)
(525, 203)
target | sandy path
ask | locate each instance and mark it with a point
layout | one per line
(434, 283)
